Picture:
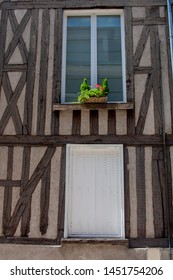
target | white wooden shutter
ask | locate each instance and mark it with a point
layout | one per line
(94, 193)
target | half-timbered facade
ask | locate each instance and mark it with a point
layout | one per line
(36, 129)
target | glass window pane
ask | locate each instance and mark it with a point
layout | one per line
(78, 54)
(109, 56)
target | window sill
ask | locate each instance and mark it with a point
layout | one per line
(96, 241)
(93, 106)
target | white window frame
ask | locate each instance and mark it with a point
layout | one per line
(68, 205)
(92, 14)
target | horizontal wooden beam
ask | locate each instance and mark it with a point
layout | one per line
(15, 68)
(26, 240)
(95, 241)
(149, 242)
(93, 106)
(10, 183)
(149, 21)
(80, 4)
(128, 140)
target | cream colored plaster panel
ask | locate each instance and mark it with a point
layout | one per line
(35, 213)
(162, 11)
(137, 30)
(121, 122)
(133, 194)
(65, 127)
(103, 122)
(54, 195)
(3, 102)
(146, 56)
(71, 252)
(50, 76)
(19, 14)
(37, 74)
(36, 155)
(10, 129)
(1, 207)
(3, 162)
(21, 103)
(153, 254)
(17, 163)
(85, 122)
(14, 79)
(149, 197)
(138, 12)
(149, 122)
(165, 79)
(140, 81)
(16, 57)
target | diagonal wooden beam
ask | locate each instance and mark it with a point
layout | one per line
(7, 204)
(28, 107)
(17, 36)
(11, 109)
(44, 200)
(29, 189)
(141, 45)
(21, 44)
(25, 221)
(3, 33)
(144, 105)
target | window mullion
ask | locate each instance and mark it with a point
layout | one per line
(93, 49)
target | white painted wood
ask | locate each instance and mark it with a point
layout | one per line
(94, 191)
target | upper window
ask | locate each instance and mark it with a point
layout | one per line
(93, 48)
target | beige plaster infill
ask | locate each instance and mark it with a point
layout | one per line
(70, 252)
(153, 254)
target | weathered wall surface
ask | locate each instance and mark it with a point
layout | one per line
(33, 137)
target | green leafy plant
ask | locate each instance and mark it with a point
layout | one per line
(98, 91)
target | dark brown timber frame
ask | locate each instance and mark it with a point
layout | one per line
(135, 136)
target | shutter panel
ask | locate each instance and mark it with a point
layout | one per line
(94, 191)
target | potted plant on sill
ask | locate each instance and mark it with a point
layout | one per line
(98, 94)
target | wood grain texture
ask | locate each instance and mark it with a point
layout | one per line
(21, 42)
(29, 189)
(94, 125)
(12, 98)
(169, 193)
(42, 93)
(157, 83)
(44, 200)
(141, 45)
(3, 33)
(111, 122)
(144, 105)
(56, 91)
(140, 189)
(159, 199)
(76, 123)
(17, 35)
(42, 4)
(7, 207)
(25, 221)
(31, 73)
(130, 140)
(129, 68)
(61, 201)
